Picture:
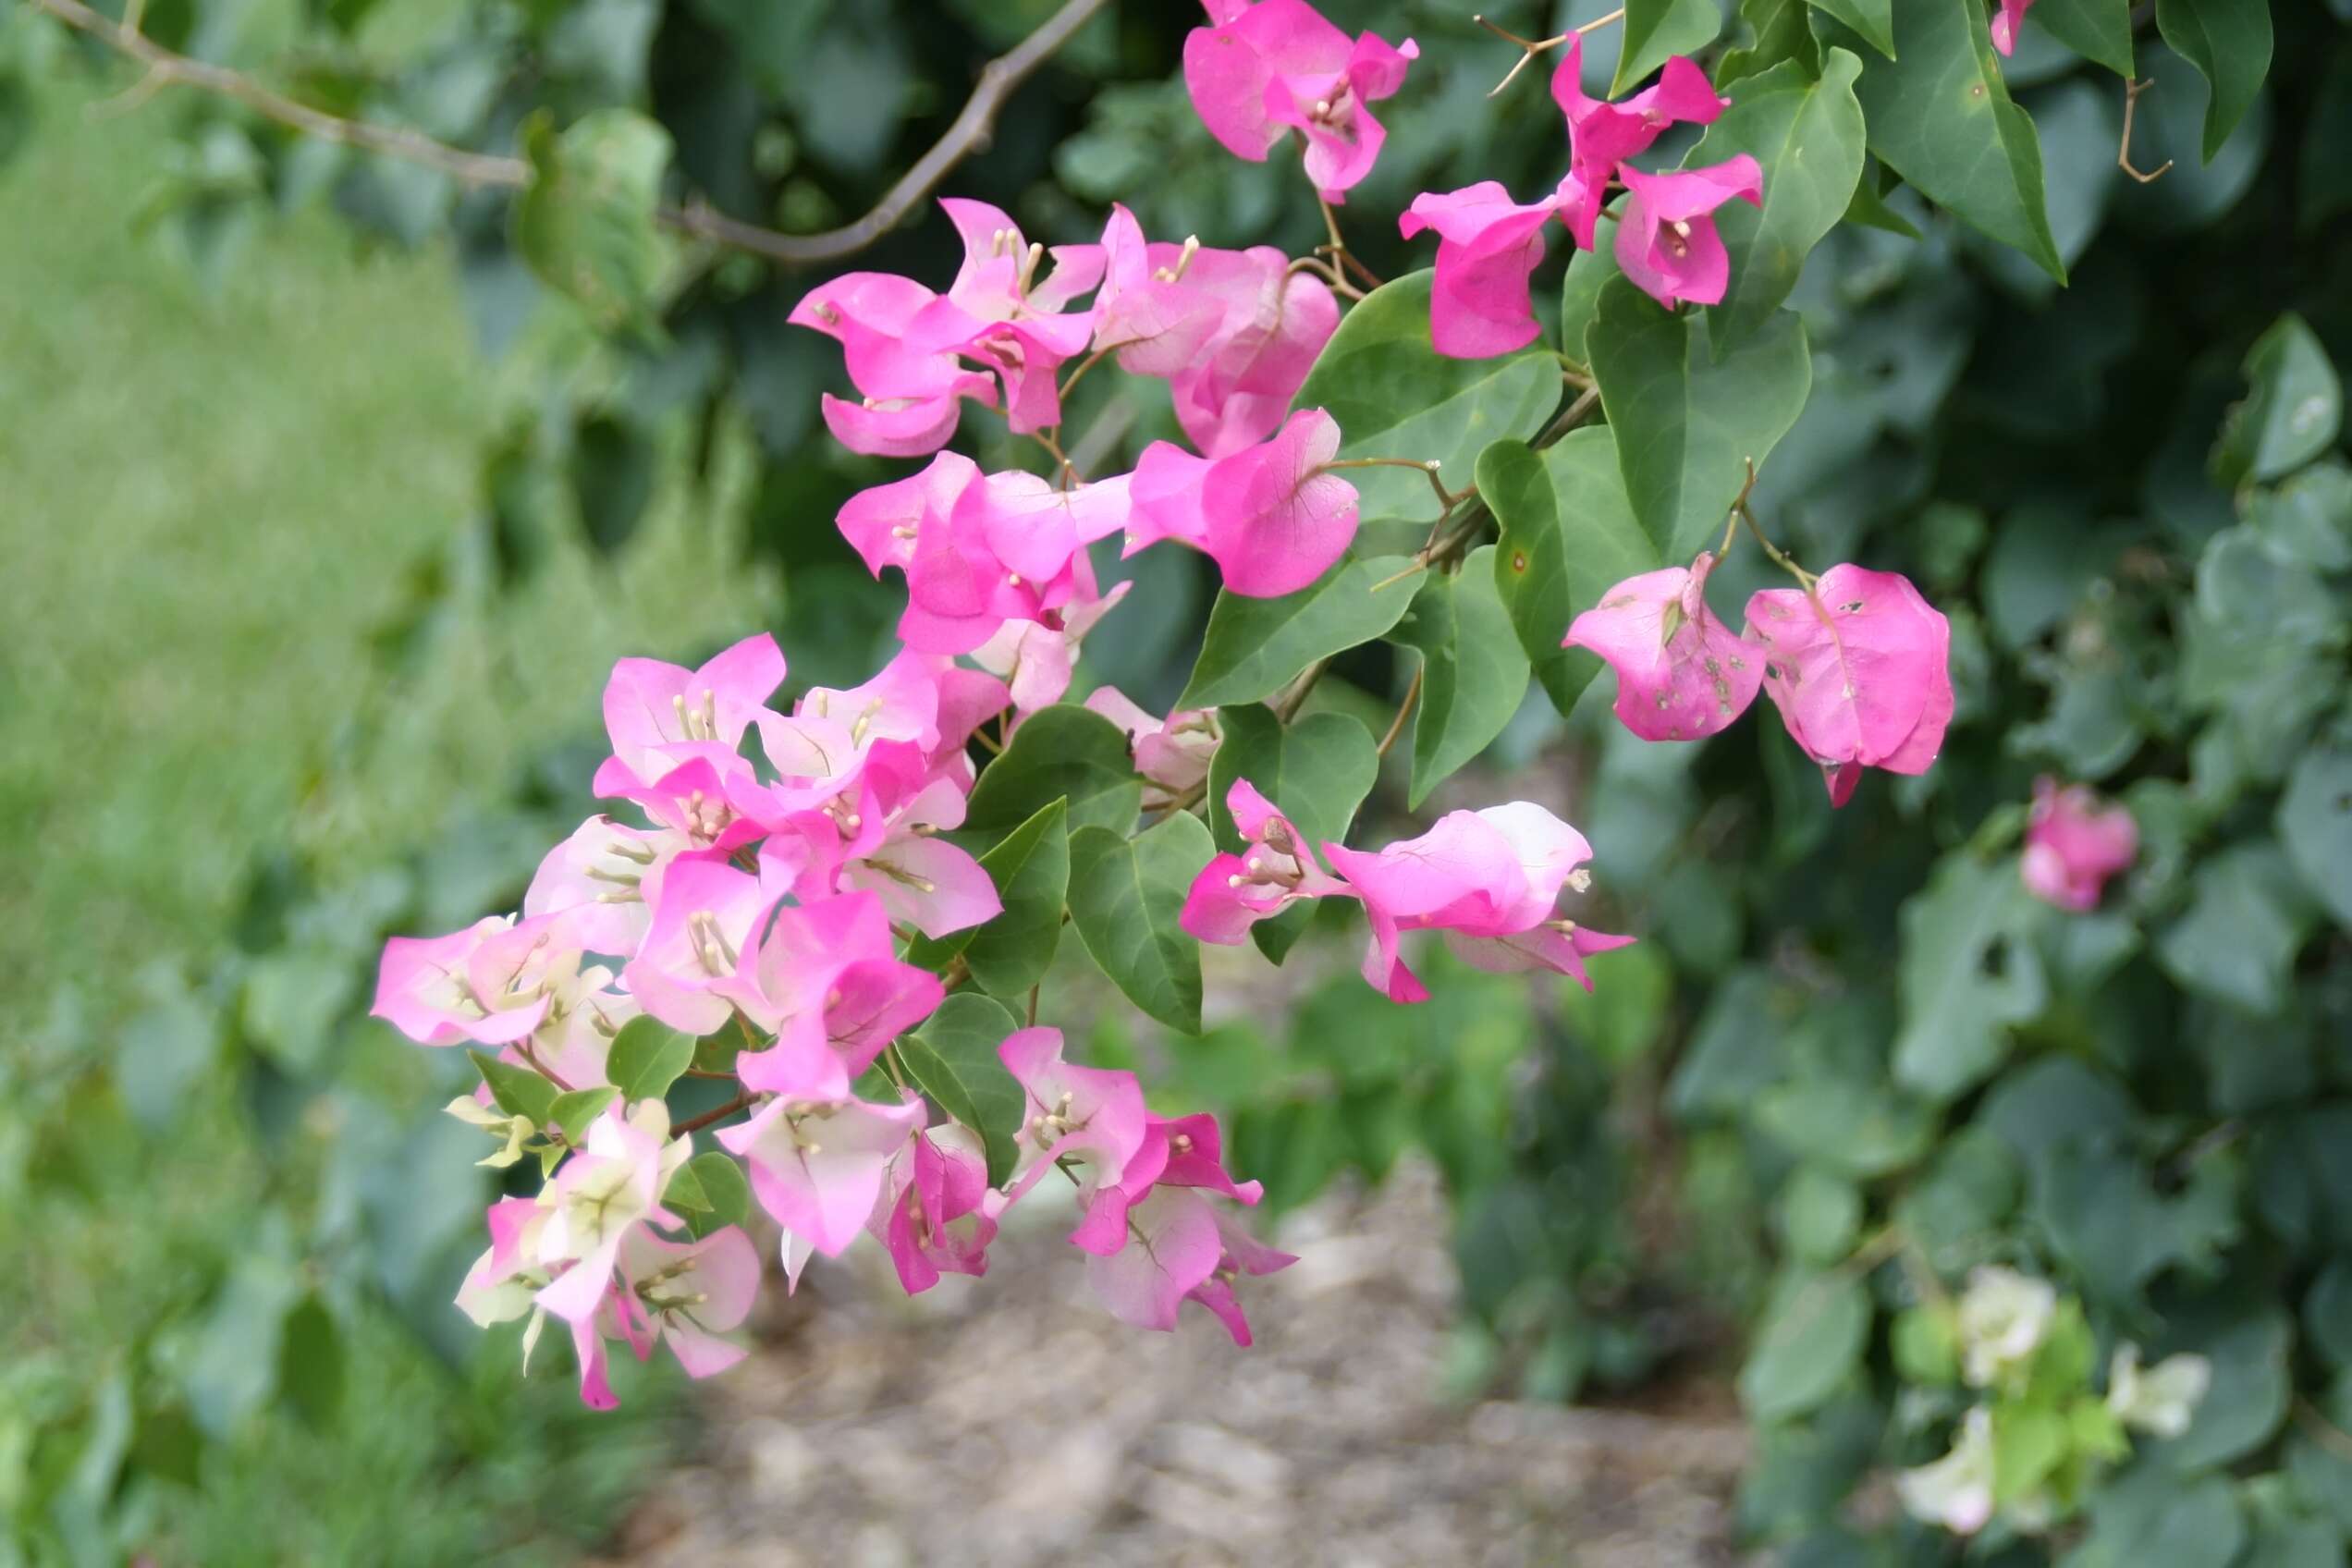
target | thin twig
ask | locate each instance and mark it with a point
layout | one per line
(1531, 47)
(489, 171)
(1404, 710)
(1447, 499)
(696, 1123)
(1571, 417)
(2132, 90)
(1296, 699)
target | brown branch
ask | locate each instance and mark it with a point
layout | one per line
(2132, 90)
(969, 134)
(1404, 709)
(696, 1123)
(492, 171)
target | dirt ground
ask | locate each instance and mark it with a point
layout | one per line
(1010, 1421)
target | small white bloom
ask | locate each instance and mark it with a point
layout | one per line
(2159, 1400)
(1956, 1490)
(2003, 1317)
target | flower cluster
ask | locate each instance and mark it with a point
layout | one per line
(786, 860)
(1488, 879)
(1487, 244)
(2027, 1352)
(781, 926)
(1856, 661)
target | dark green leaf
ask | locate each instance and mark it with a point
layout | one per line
(1874, 19)
(1807, 135)
(2293, 410)
(1588, 273)
(1969, 969)
(953, 1059)
(2315, 826)
(1568, 536)
(585, 222)
(1687, 422)
(309, 1363)
(2307, 518)
(1317, 770)
(1811, 1337)
(2099, 30)
(612, 478)
(2237, 943)
(1395, 397)
(575, 1110)
(1253, 647)
(1657, 29)
(518, 1090)
(726, 1193)
(1850, 1128)
(1058, 754)
(1031, 869)
(2229, 42)
(1125, 896)
(1473, 671)
(646, 1058)
(1940, 115)
(1777, 31)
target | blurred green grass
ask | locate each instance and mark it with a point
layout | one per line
(214, 497)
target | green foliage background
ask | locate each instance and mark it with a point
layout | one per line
(1850, 1057)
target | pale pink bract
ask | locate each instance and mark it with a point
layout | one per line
(1680, 673)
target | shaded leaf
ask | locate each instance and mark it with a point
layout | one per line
(1657, 29)
(1125, 896)
(646, 1058)
(1395, 397)
(1687, 420)
(1473, 671)
(953, 1059)
(1255, 647)
(1031, 869)
(1058, 754)
(2229, 42)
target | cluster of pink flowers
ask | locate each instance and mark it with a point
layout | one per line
(1487, 244)
(1856, 661)
(789, 859)
(769, 904)
(1488, 879)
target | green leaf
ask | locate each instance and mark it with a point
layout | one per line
(726, 1193)
(309, 1363)
(953, 1059)
(1847, 1127)
(1819, 1215)
(2098, 31)
(1874, 19)
(1812, 1337)
(2247, 1344)
(575, 1110)
(1940, 115)
(2315, 826)
(1589, 273)
(1969, 969)
(1255, 647)
(518, 1090)
(1058, 754)
(2029, 1442)
(1808, 135)
(1777, 31)
(1687, 422)
(1568, 536)
(2238, 940)
(2307, 520)
(1473, 671)
(1317, 770)
(1869, 209)
(1031, 870)
(646, 1058)
(1657, 29)
(2229, 42)
(2293, 410)
(1125, 896)
(232, 1365)
(585, 222)
(1395, 397)
(612, 469)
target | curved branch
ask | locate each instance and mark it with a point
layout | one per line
(491, 171)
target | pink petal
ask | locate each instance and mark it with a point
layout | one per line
(1680, 673)
(1176, 1246)
(1275, 520)
(1859, 668)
